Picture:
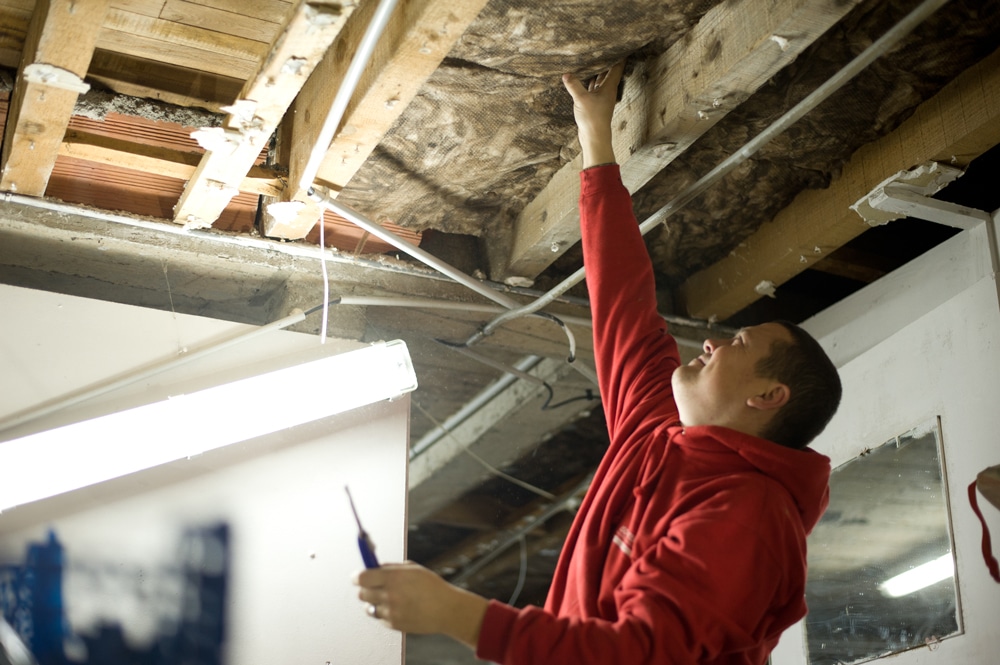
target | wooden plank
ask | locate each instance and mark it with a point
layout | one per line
(273, 10)
(418, 36)
(182, 45)
(954, 127)
(57, 52)
(139, 77)
(160, 160)
(149, 8)
(14, 22)
(310, 29)
(242, 23)
(730, 53)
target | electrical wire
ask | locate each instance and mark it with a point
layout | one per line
(523, 574)
(489, 467)
(326, 281)
(547, 406)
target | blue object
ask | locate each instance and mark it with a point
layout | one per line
(365, 543)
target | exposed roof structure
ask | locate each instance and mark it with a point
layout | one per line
(160, 153)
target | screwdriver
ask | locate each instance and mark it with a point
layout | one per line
(365, 543)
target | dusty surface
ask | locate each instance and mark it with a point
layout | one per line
(507, 106)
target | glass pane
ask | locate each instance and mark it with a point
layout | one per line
(887, 516)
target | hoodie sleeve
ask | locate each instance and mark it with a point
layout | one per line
(724, 581)
(635, 355)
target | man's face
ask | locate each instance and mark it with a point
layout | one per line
(713, 388)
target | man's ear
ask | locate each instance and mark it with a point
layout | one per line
(775, 397)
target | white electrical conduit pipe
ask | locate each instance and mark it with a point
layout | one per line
(347, 87)
(431, 303)
(332, 121)
(404, 245)
(101, 388)
(834, 83)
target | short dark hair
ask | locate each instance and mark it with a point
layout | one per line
(813, 382)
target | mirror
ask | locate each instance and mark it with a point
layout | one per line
(888, 515)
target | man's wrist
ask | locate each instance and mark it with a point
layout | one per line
(468, 610)
(596, 150)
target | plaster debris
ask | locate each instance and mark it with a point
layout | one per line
(519, 281)
(294, 66)
(926, 179)
(285, 212)
(782, 42)
(55, 77)
(194, 223)
(766, 288)
(217, 139)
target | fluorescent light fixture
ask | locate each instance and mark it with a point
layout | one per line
(89, 452)
(917, 578)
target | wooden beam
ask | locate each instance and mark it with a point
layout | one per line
(730, 53)
(152, 79)
(418, 36)
(954, 127)
(157, 159)
(15, 26)
(232, 150)
(156, 39)
(57, 51)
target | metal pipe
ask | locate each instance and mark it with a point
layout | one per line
(401, 243)
(351, 78)
(101, 388)
(430, 303)
(793, 115)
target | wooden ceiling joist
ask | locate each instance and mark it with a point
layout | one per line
(57, 51)
(415, 41)
(954, 127)
(733, 50)
(231, 152)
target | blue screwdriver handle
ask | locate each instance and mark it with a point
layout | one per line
(367, 550)
(365, 543)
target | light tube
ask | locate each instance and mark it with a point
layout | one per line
(917, 578)
(89, 452)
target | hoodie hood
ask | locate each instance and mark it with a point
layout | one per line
(804, 473)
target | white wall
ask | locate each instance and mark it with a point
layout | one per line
(293, 536)
(922, 342)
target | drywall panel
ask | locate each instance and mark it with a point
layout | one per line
(869, 316)
(54, 346)
(292, 538)
(292, 533)
(937, 359)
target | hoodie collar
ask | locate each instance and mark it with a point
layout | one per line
(804, 473)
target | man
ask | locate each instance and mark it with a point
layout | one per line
(690, 544)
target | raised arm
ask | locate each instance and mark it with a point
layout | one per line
(635, 355)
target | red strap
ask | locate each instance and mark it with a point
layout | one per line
(991, 562)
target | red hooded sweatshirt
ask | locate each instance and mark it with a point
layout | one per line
(690, 545)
